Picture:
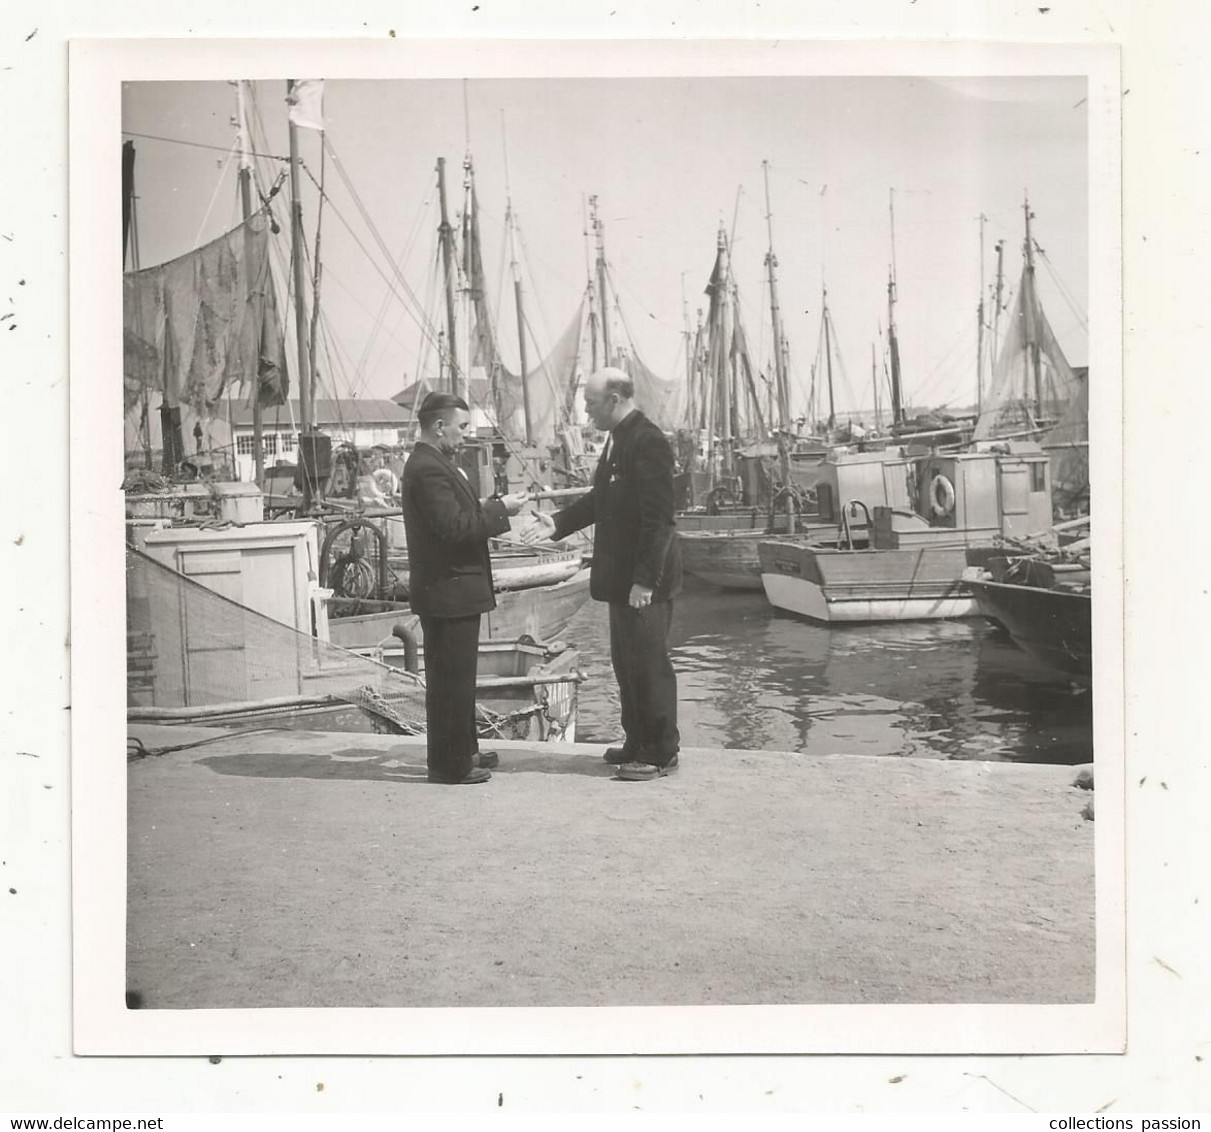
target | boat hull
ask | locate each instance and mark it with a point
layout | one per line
(1052, 625)
(730, 559)
(854, 586)
(510, 572)
(541, 612)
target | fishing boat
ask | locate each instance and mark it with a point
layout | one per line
(227, 626)
(943, 510)
(542, 612)
(524, 688)
(1044, 603)
(1036, 393)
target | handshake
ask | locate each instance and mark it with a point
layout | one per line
(534, 526)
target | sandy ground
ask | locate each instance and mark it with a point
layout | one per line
(305, 869)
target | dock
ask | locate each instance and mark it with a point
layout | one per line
(294, 868)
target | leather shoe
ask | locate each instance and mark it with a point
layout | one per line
(474, 775)
(642, 772)
(616, 756)
(489, 760)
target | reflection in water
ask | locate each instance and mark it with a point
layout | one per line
(753, 678)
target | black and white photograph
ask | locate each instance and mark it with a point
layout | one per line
(694, 451)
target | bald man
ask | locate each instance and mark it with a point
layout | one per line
(636, 570)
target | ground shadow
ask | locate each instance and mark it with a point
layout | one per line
(361, 765)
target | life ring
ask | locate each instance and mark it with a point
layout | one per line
(941, 496)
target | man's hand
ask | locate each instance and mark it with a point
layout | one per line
(514, 503)
(641, 596)
(541, 527)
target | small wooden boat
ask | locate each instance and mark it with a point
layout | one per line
(512, 569)
(541, 612)
(524, 689)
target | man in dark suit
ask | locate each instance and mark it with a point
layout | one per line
(636, 570)
(450, 583)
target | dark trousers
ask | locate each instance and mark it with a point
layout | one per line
(451, 657)
(647, 684)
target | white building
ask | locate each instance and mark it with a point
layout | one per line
(362, 423)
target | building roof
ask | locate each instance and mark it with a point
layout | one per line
(355, 412)
(407, 398)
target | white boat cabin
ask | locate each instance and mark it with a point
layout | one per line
(999, 488)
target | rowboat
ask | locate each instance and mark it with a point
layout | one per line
(541, 612)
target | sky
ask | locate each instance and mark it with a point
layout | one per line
(670, 159)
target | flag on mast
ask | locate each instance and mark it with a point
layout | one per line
(306, 99)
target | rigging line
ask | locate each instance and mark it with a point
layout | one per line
(199, 145)
(543, 321)
(416, 311)
(421, 356)
(380, 318)
(1063, 289)
(406, 297)
(424, 211)
(961, 343)
(197, 240)
(642, 303)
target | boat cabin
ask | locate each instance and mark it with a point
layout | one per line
(995, 489)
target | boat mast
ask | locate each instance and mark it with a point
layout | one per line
(446, 237)
(699, 388)
(828, 360)
(130, 225)
(874, 385)
(599, 233)
(998, 301)
(245, 182)
(510, 226)
(300, 313)
(470, 283)
(893, 342)
(588, 268)
(689, 354)
(1029, 305)
(980, 327)
(782, 391)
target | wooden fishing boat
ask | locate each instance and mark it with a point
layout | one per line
(1046, 608)
(512, 569)
(831, 585)
(542, 612)
(727, 556)
(524, 689)
(962, 504)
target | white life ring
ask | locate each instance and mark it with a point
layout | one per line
(941, 496)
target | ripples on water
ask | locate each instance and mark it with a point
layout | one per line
(753, 678)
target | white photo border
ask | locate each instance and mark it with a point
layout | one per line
(102, 1023)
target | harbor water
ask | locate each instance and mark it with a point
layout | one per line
(751, 677)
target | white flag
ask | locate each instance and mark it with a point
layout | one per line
(306, 99)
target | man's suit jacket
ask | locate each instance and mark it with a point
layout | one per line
(449, 571)
(635, 538)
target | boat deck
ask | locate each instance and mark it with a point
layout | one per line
(298, 868)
